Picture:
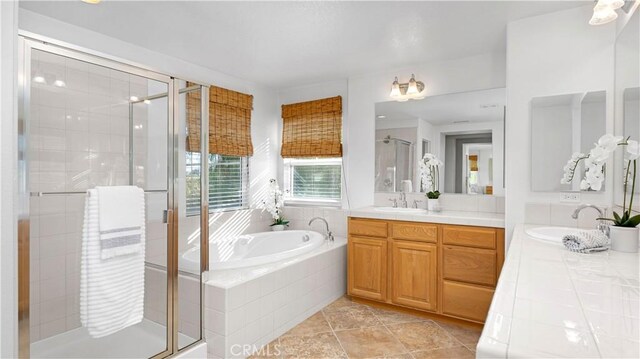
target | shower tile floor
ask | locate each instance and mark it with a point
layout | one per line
(345, 329)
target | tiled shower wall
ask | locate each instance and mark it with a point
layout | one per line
(79, 138)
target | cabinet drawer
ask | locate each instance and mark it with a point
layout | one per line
(466, 300)
(471, 265)
(368, 228)
(415, 232)
(469, 236)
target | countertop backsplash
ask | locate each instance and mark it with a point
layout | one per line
(448, 201)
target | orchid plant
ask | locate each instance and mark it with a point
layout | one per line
(594, 174)
(274, 204)
(430, 175)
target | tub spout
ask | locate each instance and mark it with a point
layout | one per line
(328, 236)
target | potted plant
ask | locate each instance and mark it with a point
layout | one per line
(274, 205)
(624, 231)
(430, 175)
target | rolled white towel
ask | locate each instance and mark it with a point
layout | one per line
(586, 241)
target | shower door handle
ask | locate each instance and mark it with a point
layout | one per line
(166, 216)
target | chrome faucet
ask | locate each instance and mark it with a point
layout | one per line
(603, 226)
(415, 203)
(394, 202)
(328, 236)
(403, 200)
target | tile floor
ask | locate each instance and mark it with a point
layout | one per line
(345, 329)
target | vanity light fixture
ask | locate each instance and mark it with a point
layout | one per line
(407, 91)
(605, 11)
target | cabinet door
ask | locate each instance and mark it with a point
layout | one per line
(466, 300)
(367, 268)
(414, 274)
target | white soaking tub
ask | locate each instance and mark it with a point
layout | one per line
(253, 249)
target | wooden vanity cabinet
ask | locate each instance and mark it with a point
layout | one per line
(446, 270)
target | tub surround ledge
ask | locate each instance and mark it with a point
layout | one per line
(471, 218)
(551, 302)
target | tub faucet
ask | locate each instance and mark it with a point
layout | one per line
(602, 225)
(328, 236)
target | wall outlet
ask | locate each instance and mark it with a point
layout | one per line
(570, 197)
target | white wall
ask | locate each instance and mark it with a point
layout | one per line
(557, 53)
(8, 179)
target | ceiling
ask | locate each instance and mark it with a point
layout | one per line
(283, 44)
(474, 106)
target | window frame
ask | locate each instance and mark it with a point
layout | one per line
(289, 163)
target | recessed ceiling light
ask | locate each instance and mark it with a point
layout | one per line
(59, 83)
(381, 116)
(134, 99)
(92, 2)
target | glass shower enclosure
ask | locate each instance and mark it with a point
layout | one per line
(393, 164)
(88, 121)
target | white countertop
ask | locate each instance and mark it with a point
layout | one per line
(551, 302)
(483, 219)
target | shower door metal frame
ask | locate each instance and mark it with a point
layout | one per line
(26, 43)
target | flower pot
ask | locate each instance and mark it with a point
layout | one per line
(433, 204)
(624, 239)
(277, 227)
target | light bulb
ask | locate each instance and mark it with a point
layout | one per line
(413, 86)
(146, 102)
(603, 15)
(613, 4)
(59, 83)
(39, 79)
(395, 89)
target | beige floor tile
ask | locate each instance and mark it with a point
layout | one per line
(315, 346)
(315, 324)
(374, 342)
(340, 303)
(392, 317)
(467, 336)
(425, 335)
(447, 353)
(351, 317)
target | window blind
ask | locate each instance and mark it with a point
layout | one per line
(312, 129)
(229, 122)
(314, 179)
(228, 182)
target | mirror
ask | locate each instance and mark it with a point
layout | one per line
(627, 87)
(465, 131)
(560, 126)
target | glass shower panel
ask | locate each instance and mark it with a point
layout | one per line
(188, 196)
(385, 166)
(86, 128)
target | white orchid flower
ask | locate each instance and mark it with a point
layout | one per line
(609, 142)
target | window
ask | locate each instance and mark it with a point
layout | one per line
(228, 182)
(313, 180)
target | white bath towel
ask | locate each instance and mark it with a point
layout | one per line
(112, 289)
(120, 219)
(586, 241)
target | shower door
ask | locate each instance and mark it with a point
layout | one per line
(86, 121)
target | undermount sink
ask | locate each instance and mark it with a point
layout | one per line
(551, 234)
(400, 210)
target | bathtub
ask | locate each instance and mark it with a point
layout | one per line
(252, 250)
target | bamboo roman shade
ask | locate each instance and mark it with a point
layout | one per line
(312, 129)
(229, 122)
